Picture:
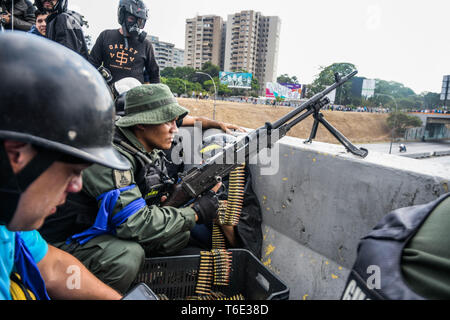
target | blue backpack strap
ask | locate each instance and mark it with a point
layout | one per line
(27, 269)
(105, 223)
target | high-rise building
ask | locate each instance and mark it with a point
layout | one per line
(268, 49)
(203, 41)
(166, 54)
(178, 58)
(252, 44)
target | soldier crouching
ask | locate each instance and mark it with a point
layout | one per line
(117, 220)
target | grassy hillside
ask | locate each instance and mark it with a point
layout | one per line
(358, 127)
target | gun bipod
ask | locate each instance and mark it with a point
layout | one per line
(350, 147)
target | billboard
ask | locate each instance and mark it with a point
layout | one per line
(368, 88)
(445, 88)
(236, 79)
(284, 90)
(357, 86)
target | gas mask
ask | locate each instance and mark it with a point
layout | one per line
(133, 28)
(134, 25)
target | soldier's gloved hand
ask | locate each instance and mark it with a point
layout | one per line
(206, 207)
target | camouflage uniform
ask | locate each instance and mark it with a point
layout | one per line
(117, 256)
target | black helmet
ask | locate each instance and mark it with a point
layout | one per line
(52, 97)
(55, 100)
(61, 6)
(136, 9)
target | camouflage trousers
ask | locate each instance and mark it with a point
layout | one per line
(114, 261)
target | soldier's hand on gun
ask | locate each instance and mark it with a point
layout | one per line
(206, 205)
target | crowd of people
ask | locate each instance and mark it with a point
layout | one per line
(443, 110)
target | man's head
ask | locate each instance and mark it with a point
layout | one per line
(41, 23)
(132, 16)
(151, 111)
(46, 192)
(56, 118)
(51, 5)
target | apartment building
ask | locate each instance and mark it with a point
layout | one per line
(268, 49)
(203, 41)
(178, 58)
(252, 44)
(166, 54)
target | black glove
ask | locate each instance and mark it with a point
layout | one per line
(206, 207)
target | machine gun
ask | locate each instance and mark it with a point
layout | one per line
(203, 178)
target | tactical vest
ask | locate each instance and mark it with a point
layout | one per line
(377, 274)
(150, 176)
(80, 211)
(19, 290)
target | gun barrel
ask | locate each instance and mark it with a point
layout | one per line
(313, 100)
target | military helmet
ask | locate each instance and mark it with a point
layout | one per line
(150, 104)
(53, 98)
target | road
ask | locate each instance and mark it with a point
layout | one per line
(412, 148)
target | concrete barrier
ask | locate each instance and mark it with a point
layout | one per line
(441, 153)
(320, 200)
(323, 200)
(421, 155)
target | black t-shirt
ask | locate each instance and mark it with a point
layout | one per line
(109, 49)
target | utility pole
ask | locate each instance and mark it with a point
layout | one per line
(215, 92)
(446, 83)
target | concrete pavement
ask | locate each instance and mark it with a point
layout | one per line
(433, 152)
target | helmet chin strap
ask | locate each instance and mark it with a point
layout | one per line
(126, 35)
(13, 185)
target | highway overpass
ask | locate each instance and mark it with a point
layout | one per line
(436, 126)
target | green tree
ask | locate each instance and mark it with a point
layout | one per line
(285, 78)
(402, 121)
(431, 99)
(211, 69)
(176, 85)
(208, 85)
(224, 90)
(168, 72)
(392, 88)
(187, 73)
(326, 78)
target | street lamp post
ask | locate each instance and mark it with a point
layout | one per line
(395, 119)
(215, 92)
(184, 82)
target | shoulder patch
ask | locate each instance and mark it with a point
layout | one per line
(122, 178)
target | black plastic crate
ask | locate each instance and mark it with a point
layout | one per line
(176, 277)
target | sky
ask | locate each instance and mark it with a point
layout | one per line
(406, 41)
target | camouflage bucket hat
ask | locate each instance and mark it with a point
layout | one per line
(150, 104)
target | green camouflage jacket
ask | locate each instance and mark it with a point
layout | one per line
(160, 230)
